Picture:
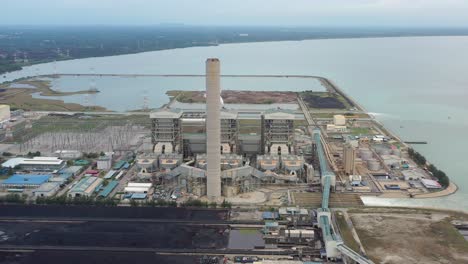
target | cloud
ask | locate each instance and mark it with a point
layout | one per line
(258, 12)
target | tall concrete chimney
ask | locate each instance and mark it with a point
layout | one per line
(213, 129)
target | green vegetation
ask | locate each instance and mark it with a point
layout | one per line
(189, 97)
(324, 100)
(248, 231)
(91, 155)
(267, 101)
(360, 131)
(33, 154)
(64, 200)
(21, 98)
(448, 235)
(198, 203)
(421, 160)
(346, 233)
(13, 198)
(162, 203)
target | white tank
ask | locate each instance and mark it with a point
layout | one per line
(373, 165)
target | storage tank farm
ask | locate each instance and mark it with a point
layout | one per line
(213, 129)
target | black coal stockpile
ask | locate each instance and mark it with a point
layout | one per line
(63, 211)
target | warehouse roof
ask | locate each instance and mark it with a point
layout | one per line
(167, 113)
(42, 160)
(119, 164)
(270, 215)
(279, 114)
(72, 169)
(11, 163)
(27, 179)
(138, 196)
(83, 184)
(431, 184)
(109, 174)
(108, 189)
(47, 187)
(140, 184)
(228, 115)
(34, 161)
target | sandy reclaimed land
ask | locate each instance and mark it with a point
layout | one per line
(451, 189)
(409, 236)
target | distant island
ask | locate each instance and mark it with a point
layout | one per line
(27, 45)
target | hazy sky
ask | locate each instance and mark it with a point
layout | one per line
(238, 12)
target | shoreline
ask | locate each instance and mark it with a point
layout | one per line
(449, 190)
(45, 89)
(23, 97)
(246, 42)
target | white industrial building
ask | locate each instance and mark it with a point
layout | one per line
(166, 130)
(85, 187)
(336, 129)
(47, 189)
(36, 163)
(138, 187)
(278, 131)
(339, 120)
(4, 113)
(68, 154)
(104, 162)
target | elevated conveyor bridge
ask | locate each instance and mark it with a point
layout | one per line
(333, 244)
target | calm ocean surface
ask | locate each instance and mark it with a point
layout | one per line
(418, 87)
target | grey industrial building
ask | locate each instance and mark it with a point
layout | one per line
(219, 158)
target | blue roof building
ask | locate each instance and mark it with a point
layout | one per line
(108, 189)
(25, 180)
(270, 215)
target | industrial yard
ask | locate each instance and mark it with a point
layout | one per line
(270, 174)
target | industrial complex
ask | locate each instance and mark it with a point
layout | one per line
(277, 171)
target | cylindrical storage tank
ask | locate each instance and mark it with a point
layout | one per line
(295, 233)
(307, 233)
(365, 154)
(373, 165)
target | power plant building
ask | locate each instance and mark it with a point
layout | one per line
(349, 159)
(166, 132)
(278, 131)
(207, 152)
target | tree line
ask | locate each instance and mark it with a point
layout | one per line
(98, 201)
(421, 160)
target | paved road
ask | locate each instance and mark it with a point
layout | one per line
(155, 250)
